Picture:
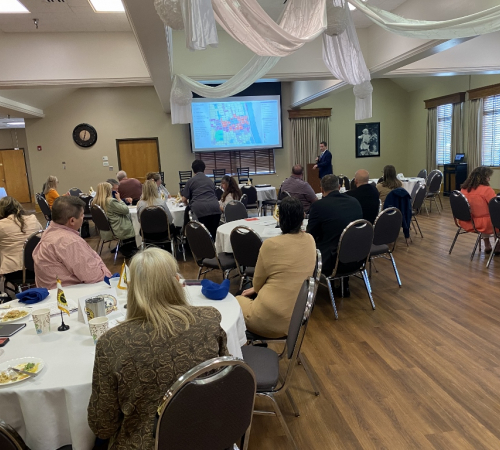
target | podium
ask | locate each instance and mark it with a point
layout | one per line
(313, 178)
(454, 176)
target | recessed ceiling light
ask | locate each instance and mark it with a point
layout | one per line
(12, 6)
(107, 5)
(14, 123)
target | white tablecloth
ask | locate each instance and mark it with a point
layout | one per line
(264, 193)
(408, 183)
(50, 411)
(177, 213)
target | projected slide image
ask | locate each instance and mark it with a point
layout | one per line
(236, 124)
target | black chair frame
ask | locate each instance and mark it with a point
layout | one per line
(107, 227)
(416, 207)
(434, 190)
(237, 211)
(494, 208)
(243, 174)
(184, 176)
(165, 229)
(10, 436)
(246, 260)
(218, 174)
(45, 208)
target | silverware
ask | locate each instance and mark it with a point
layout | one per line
(23, 372)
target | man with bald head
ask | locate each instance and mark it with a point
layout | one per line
(367, 195)
(299, 188)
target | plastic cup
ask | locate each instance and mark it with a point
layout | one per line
(113, 282)
(41, 319)
(98, 327)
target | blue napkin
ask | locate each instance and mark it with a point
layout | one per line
(214, 291)
(32, 296)
(115, 275)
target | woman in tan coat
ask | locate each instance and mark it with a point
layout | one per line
(284, 263)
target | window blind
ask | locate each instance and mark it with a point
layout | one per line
(491, 131)
(443, 133)
(260, 162)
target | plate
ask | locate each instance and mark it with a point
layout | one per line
(19, 363)
(5, 312)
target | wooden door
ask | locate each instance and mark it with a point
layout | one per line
(14, 175)
(137, 157)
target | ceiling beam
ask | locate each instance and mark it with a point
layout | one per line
(151, 37)
(11, 107)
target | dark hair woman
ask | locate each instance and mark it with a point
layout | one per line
(478, 192)
(390, 181)
(284, 263)
(231, 191)
(15, 228)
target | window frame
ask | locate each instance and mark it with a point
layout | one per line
(444, 126)
(490, 132)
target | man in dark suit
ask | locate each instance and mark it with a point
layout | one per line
(367, 195)
(328, 218)
(324, 160)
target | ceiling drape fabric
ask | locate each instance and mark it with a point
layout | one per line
(482, 22)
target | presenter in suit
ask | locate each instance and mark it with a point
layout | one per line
(324, 160)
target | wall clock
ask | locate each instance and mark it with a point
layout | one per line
(85, 135)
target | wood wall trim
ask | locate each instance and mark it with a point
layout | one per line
(315, 112)
(459, 97)
(485, 91)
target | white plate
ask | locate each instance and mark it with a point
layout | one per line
(3, 312)
(21, 361)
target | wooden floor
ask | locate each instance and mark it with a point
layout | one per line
(422, 371)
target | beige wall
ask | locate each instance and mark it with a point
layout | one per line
(116, 113)
(389, 108)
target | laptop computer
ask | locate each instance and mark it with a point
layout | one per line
(460, 157)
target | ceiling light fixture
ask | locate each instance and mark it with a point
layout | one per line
(12, 6)
(14, 123)
(107, 5)
(352, 7)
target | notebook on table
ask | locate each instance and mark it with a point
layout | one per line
(9, 329)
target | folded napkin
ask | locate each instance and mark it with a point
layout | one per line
(115, 275)
(32, 296)
(214, 291)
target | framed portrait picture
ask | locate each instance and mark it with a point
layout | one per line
(367, 139)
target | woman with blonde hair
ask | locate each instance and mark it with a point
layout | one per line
(138, 361)
(15, 227)
(50, 189)
(156, 177)
(119, 219)
(389, 182)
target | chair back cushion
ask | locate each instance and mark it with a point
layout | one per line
(100, 218)
(355, 242)
(199, 240)
(419, 198)
(251, 193)
(235, 210)
(209, 412)
(435, 182)
(75, 192)
(218, 192)
(460, 206)
(386, 227)
(154, 219)
(246, 245)
(422, 174)
(414, 190)
(494, 207)
(29, 247)
(44, 206)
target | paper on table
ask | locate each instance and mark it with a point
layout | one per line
(54, 310)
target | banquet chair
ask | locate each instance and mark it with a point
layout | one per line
(210, 407)
(218, 174)
(344, 182)
(433, 185)
(353, 253)
(385, 232)
(204, 253)
(219, 192)
(10, 439)
(353, 185)
(494, 208)
(235, 210)
(243, 175)
(45, 208)
(460, 209)
(271, 203)
(246, 244)
(265, 361)
(75, 192)
(244, 199)
(422, 174)
(416, 187)
(416, 207)
(251, 193)
(154, 220)
(184, 176)
(102, 223)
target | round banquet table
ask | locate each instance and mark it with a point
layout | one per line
(264, 193)
(177, 213)
(408, 183)
(50, 411)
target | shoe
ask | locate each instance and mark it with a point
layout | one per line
(488, 250)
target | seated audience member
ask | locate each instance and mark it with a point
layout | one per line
(162, 338)
(231, 191)
(63, 253)
(284, 263)
(15, 227)
(50, 190)
(129, 187)
(388, 183)
(114, 190)
(200, 192)
(156, 177)
(366, 194)
(478, 192)
(119, 219)
(299, 188)
(328, 218)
